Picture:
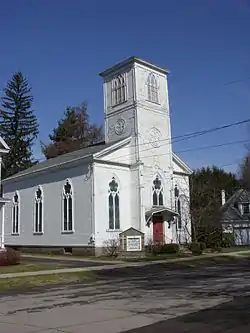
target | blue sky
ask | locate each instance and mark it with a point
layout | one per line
(61, 46)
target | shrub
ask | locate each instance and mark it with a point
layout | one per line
(170, 248)
(228, 240)
(9, 256)
(202, 246)
(197, 248)
(216, 248)
(111, 247)
(166, 248)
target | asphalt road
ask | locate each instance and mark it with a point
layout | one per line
(148, 299)
(231, 317)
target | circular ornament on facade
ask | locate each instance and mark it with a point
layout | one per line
(154, 137)
(120, 126)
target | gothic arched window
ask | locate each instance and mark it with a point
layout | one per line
(179, 221)
(67, 207)
(178, 207)
(119, 90)
(157, 192)
(38, 220)
(15, 214)
(153, 91)
(114, 205)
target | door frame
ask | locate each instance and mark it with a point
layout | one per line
(159, 218)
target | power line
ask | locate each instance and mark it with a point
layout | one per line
(190, 135)
(213, 146)
(237, 81)
(194, 149)
(202, 132)
(183, 137)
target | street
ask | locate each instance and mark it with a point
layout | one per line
(160, 298)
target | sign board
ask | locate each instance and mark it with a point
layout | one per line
(133, 243)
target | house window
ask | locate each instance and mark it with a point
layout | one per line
(114, 206)
(153, 91)
(67, 207)
(157, 192)
(38, 219)
(15, 214)
(245, 208)
(119, 89)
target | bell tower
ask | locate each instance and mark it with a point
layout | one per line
(136, 104)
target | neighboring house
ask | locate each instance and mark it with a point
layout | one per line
(4, 149)
(235, 217)
(133, 179)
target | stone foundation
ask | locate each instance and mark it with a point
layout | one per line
(75, 251)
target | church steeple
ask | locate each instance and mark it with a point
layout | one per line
(136, 102)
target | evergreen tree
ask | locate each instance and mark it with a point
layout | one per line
(244, 172)
(73, 132)
(18, 125)
(206, 185)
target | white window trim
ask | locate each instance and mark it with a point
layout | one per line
(114, 101)
(149, 86)
(34, 214)
(113, 230)
(177, 217)
(63, 231)
(113, 195)
(157, 191)
(13, 220)
(242, 207)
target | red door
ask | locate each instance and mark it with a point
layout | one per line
(158, 234)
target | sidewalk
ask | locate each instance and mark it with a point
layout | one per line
(70, 258)
(118, 265)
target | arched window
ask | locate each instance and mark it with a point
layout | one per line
(114, 209)
(178, 207)
(179, 220)
(38, 219)
(153, 93)
(16, 214)
(119, 90)
(157, 192)
(67, 207)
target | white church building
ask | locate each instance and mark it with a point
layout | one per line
(79, 200)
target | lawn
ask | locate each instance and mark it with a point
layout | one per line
(27, 282)
(235, 249)
(163, 256)
(25, 266)
(200, 261)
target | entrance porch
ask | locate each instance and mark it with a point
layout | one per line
(160, 220)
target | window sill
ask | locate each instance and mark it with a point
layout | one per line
(113, 230)
(38, 233)
(118, 104)
(67, 231)
(149, 101)
(15, 234)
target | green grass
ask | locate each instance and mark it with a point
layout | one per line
(27, 282)
(25, 266)
(236, 249)
(201, 261)
(156, 257)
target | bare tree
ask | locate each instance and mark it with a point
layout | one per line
(111, 247)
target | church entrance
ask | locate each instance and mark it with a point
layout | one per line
(158, 231)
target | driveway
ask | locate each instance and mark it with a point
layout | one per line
(162, 298)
